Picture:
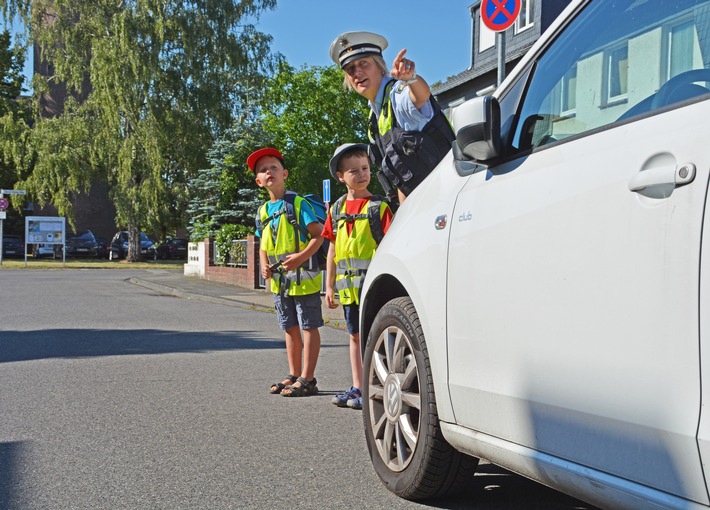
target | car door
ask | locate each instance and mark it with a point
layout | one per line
(573, 278)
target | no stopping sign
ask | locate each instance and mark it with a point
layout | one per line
(499, 15)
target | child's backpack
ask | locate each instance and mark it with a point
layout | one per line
(373, 216)
(316, 202)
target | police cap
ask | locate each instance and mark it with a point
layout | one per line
(354, 45)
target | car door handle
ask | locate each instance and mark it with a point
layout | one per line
(677, 176)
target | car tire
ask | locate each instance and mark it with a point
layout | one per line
(407, 448)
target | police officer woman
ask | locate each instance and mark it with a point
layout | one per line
(409, 134)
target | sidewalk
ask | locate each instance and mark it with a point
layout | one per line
(175, 283)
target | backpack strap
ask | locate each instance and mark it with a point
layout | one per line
(292, 217)
(335, 214)
(372, 215)
(261, 224)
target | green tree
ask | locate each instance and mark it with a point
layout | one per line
(307, 114)
(225, 193)
(156, 80)
(15, 112)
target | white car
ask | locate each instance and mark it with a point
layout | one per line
(541, 299)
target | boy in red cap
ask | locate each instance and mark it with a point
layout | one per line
(287, 258)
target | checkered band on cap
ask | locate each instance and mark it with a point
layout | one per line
(354, 52)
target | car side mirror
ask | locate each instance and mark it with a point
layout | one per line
(477, 126)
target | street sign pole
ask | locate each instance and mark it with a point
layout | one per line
(4, 192)
(498, 16)
(500, 42)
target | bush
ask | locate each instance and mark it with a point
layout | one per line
(223, 241)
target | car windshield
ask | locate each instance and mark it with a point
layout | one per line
(86, 236)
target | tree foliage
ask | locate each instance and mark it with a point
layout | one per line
(15, 112)
(306, 115)
(225, 192)
(156, 81)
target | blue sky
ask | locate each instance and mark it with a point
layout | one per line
(437, 35)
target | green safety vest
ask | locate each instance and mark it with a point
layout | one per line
(353, 253)
(282, 243)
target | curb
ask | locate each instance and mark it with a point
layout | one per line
(250, 305)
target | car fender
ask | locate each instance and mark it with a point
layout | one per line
(408, 263)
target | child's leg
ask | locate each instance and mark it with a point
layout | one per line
(310, 316)
(294, 350)
(311, 350)
(352, 320)
(287, 316)
(356, 360)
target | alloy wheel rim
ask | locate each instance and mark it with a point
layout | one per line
(394, 399)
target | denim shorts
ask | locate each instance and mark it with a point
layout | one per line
(352, 318)
(303, 311)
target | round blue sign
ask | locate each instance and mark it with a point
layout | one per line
(498, 15)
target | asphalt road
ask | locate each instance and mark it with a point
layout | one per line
(114, 396)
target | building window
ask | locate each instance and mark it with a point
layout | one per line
(486, 36)
(616, 67)
(526, 17)
(569, 92)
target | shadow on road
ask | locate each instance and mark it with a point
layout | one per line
(79, 343)
(494, 488)
(10, 459)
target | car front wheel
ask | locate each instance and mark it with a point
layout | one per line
(407, 448)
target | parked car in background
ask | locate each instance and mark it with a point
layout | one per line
(172, 248)
(541, 299)
(12, 246)
(119, 246)
(103, 247)
(81, 245)
(47, 250)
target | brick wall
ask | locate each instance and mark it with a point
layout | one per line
(247, 277)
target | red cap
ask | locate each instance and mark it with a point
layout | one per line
(257, 155)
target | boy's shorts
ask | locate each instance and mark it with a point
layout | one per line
(303, 311)
(352, 318)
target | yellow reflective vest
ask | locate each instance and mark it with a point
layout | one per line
(280, 242)
(353, 253)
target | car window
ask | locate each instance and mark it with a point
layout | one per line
(645, 55)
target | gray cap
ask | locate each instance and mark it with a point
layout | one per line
(339, 154)
(354, 45)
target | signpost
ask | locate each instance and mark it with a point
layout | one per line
(499, 15)
(326, 191)
(4, 204)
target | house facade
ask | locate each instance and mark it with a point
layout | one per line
(481, 77)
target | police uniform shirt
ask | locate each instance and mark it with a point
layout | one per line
(408, 116)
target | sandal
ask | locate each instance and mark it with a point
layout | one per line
(305, 389)
(279, 386)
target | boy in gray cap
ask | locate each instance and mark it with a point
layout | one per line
(409, 134)
(355, 225)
